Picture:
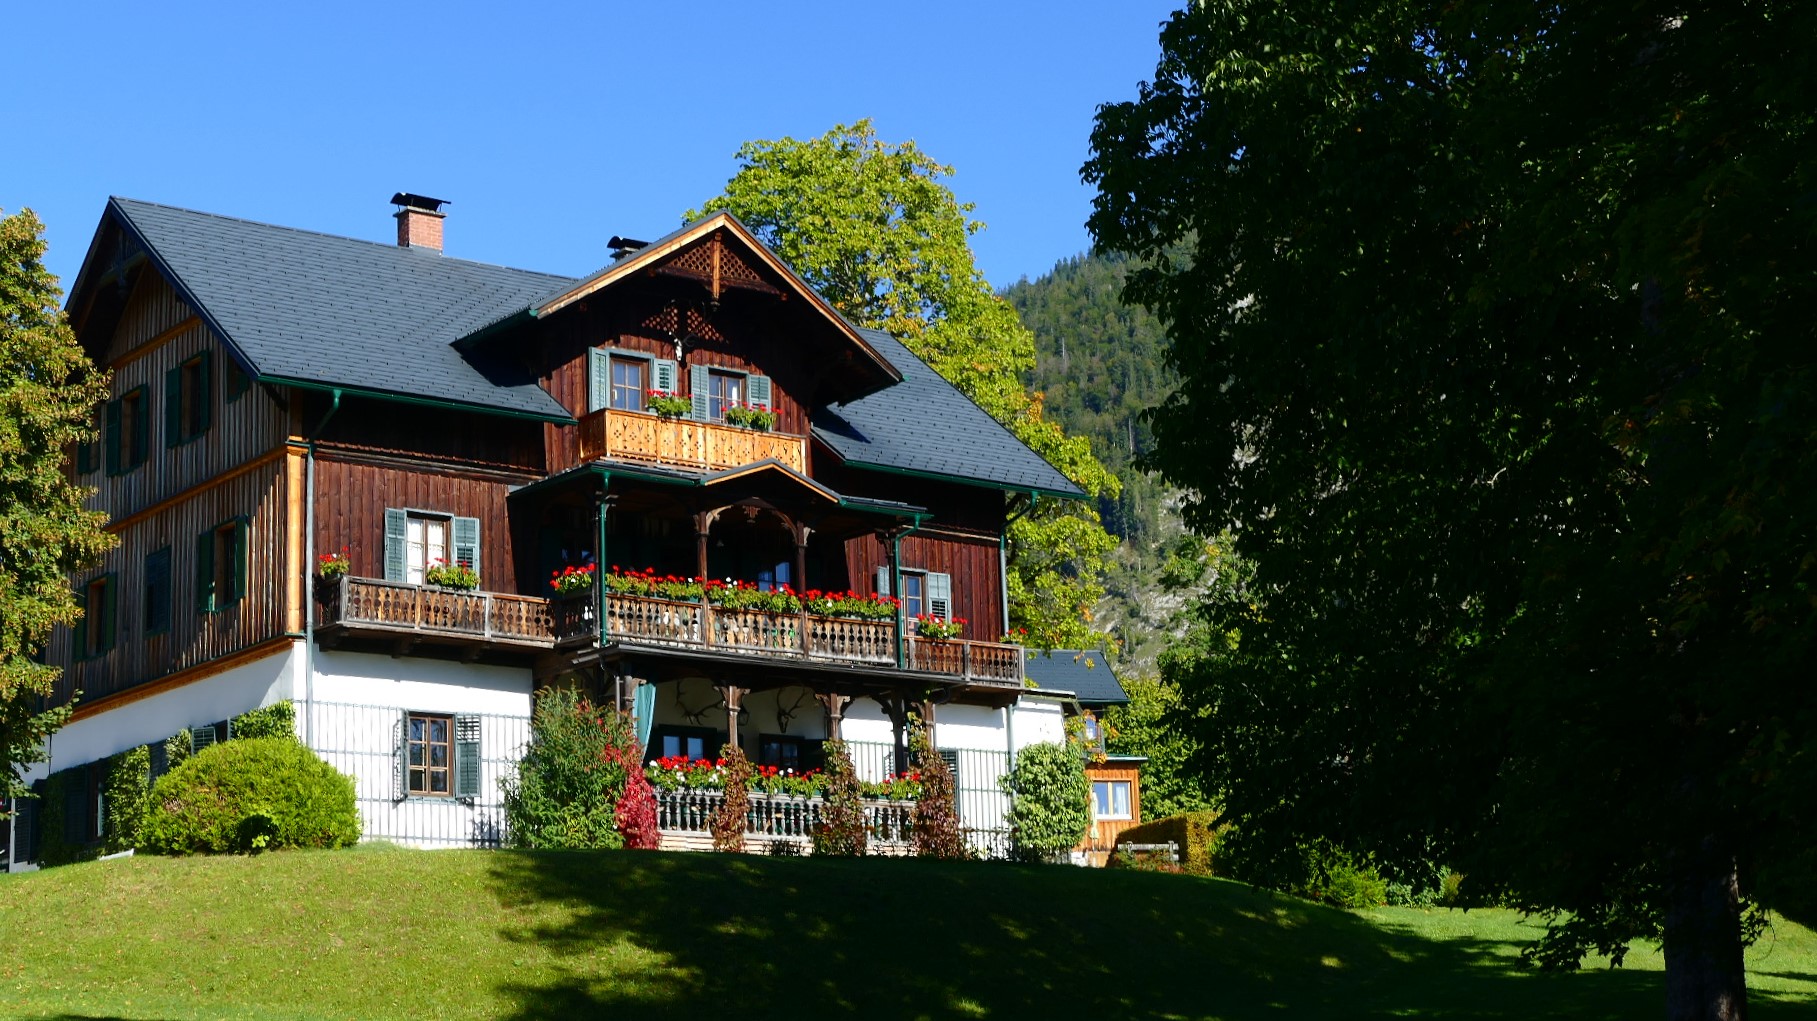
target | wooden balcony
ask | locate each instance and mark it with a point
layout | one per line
(411, 615)
(645, 620)
(426, 614)
(641, 438)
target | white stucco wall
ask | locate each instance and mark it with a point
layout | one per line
(413, 682)
(154, 718)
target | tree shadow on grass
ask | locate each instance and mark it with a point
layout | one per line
(750, 937)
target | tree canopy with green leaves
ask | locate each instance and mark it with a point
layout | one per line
(1494, 335)
(875, 229)
(48, 390)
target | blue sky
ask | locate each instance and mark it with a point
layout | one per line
(550, 127)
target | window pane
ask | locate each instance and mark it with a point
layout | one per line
(416, 754)
(416, 781)
(438, 781)
(912, 600)
(697, 748)
(628, 384)
(671, 746)
(1100, 794)
(438, 755)
(438, 731)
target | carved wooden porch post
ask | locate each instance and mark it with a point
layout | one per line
(734, 699)
(835, 714)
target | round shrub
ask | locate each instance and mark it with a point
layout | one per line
(242, 797)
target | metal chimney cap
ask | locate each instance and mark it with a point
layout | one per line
(424, 203)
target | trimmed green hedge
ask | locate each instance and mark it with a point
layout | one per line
(248, 796)
(1194, 833)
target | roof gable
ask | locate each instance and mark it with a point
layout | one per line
(722, 253)
(302, 308)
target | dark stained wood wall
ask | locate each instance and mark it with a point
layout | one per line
(970, 558)
(156, 333)
(460, 437)
(353, 491)
(262, 493)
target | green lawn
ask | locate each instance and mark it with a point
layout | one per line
(379, 933)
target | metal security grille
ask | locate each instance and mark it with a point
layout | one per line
(983, 807)
(362, 741)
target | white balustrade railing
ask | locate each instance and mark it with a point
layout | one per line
(779, 816)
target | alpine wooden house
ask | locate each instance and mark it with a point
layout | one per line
(282, 398)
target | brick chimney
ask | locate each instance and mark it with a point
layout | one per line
(419, 221)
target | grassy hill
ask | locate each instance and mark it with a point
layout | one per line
(381, 933)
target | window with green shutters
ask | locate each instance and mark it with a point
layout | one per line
(415, 540)
(439, 755)
(124, 430)
(221, 565)
(94, 633)
(928, 592)
(188, 400)
(712, 389)
(621, 380)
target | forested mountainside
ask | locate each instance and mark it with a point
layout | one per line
(1099, 364)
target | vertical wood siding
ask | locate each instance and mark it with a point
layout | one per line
(194, 637)
(239, 431)
(351, 499)
(971, 560)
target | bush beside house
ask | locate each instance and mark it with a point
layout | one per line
(247, 796)
(1050, 808)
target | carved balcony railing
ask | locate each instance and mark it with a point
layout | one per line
(678, 442)
(430, 612)
(783, 817)
(371, 607)
(647, 620)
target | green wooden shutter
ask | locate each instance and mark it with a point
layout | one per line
(952, 762)
(757, 392)
(467, 760)
(599, 379)
(112, 437)
(108, 623)
(400, 778)
(397, 536)
(697, 390)
(883, 580)
(241, 526)
(141, 427)
(940, 595)
(201, 737)
(85, 457)
(157, 592)
(173, 407)
(666, 375)
(205, 393)
(205, 572)
(465, 540)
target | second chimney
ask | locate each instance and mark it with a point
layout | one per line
(419, 221)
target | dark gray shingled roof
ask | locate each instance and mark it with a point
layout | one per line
(924, 425)
(315, 308)
(1085, 673)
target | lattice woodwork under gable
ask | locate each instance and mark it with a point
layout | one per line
(674, 321)
(720, 265)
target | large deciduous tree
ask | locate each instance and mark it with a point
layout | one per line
(1496, 348)
(48, 390)
(874, 228)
